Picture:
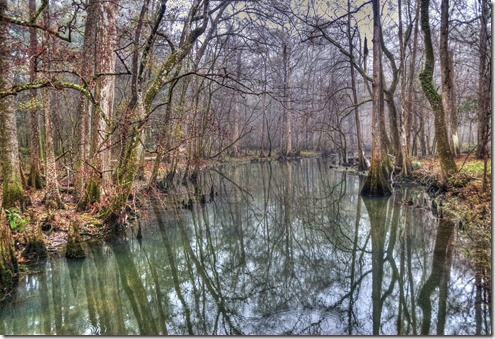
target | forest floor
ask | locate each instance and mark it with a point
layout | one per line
(464, 199)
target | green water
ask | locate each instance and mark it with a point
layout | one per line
(284, 248)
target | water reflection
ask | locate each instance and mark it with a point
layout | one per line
(283, 248)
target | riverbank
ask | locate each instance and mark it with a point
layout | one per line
(467, 200)
(55, 224)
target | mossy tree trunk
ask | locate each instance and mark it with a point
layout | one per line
(13, 192)
(8, 261)
(376, 183)
(34, 178)
(74, 249)
(35, 247)
(140, 108)
(84, 107)
(52, 195)
(100, 153)
(447, 164)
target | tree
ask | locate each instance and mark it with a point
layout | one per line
(83, 108)
(376, 183)
(447, 164)
(52, 195)
(362, 165)
(484, 86)
(105, 58)
(34, 179)
(448, 100)
(13, 191)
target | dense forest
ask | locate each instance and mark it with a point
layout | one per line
(104, 102)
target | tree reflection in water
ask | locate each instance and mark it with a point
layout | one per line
(284, 248)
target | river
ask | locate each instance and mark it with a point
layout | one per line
(282, 248)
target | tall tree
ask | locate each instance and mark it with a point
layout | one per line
(34, 179)
(362, 165)
(52, 195)
(287, 135)
(404, 118)
(447, 164)
(448, 101)
(376, 183)
(13, 192)
(105, 58)
(84, 107)
(484, 87)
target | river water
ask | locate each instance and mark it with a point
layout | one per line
(283, 248)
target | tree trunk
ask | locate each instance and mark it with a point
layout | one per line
(100, 152)
(376, 183)
(287, 142)
(447, 164)
(52, 195)
(84, 107)
(412, 69)
(454, 122)
(13, 192)
(362, 165)
(447, 72)
(8, 260)
(484, 89)
(237, 110)
(34, 178)
(404, 127)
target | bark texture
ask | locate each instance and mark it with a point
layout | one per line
(9, 156)
(376, 183)
(13, 192)
(484, 90)
(84, 107)
(52, 195)
(100, 152)
(34, 178)
(362, 165)
(447, 163)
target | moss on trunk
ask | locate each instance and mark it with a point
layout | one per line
(13, 192)
(35, 247)
(34, 178)
(8, 261)
(91, 194)
(447, 162)
(74, 249)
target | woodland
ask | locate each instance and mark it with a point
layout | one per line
(104, 102)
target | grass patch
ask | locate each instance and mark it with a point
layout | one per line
(475, 168)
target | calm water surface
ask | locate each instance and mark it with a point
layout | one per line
(284, 248)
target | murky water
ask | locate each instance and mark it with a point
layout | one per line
(284, 248)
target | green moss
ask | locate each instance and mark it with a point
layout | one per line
(74, 249)
(13, 192)
(91, 195)
(476, 167)
(35, 247)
